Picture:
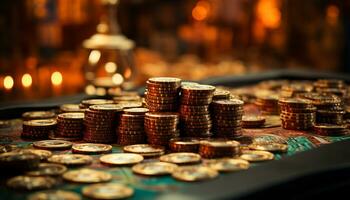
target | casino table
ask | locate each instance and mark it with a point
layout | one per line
(313, 166)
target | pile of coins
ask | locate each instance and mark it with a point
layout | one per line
(99, 123)
(130, 129)
(184, 145)
(38, 129)
(296, 113)
(227, 118)
(194, 110)
(268, 104)
(89, 102)
(219, 148)
(70, 125)
(331, 86)
(329, 107)
(331, 129)
(161, 127)
(162, 94)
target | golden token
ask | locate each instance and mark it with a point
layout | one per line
(145, 150)
(48, 169)
(43, 154)
(154, 168)
(54, 195)
(72, 115)
(107, 191)
(31, 182)
(53, 144)
(181, 158)
(71, 159)
(272, 147)
(40, 122)
(194, 173)
(87, 176)
(121, 159)
(91, 148)
(38, 115)
(256, 156)
(71, 108)
(228, 164)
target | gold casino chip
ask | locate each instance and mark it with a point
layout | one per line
(107, 191)
(87, 176)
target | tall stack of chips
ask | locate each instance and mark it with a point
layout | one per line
(162, 94)
(89, 102)
(70, 125)
(329, 107)
(297, 114)
(219, 149)
(130, 129)
(100, 123)
(227, 118)
(161, 127)
(38, 129)
(194, 110)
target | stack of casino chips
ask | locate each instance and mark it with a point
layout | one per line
(227, 118)
(184, 144)
(268, 104)
(194, 110)
(330, 129)
(100, 123)
(330, 108)
(70, 125)
(31, 115)
(221, 94)
(38, 129)
(161, 127)
(162, 94)
(219, 148)
(89, 102)
(331, 86)
(71, 108)
(130, 129)
(297, 114)
(295, 89)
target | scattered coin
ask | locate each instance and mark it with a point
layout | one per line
(228, 164)
(154, 168)
(48, 169)
(121, 159)
(71, 159)
(91, 148)
(31, 182)
(107, 191)
(194, 173)
(54, 195)
(87, 176)
(53, 144)
(256, 156)
(145, 150)
(43, 154)
(272, 147)
(181, 158)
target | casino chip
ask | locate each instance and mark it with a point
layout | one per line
(272, 147)
(228, 164)
(31, 182)
(87, 176)
(215, 148)
(38, 129)
(154, 168)
(15, 162)
(43, 154)
(184, 144)
(107, 191)
(32, 115)
(194, 173)
(121, 159)
(48, 169)
(54, 195)
(146, 150)
(181, 158)
(91, 148)
(256, 156)
(53, 144)
(71, 159)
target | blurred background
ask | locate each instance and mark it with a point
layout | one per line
(63, 47)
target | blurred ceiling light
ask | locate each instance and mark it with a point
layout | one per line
(94, 57)
(56, 78)
(27, 80)
(332, 14)
(110, 67)
(90, 90)
(117, 79)
(127, 73)
(8, 82)
(101, 91)
(268, 12)
(201, 11)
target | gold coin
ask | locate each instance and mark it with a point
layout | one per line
(181, 158)
(194, 173)
(54, 194)
(43, 154)
(71, 159)
(38, 115)
(107, 191)
(53, 144)
(228, 164)
(91, 148)
(121, 159)
(154, 168)
(145, 150)
(87, 176)
(256, 156)
(31, 182)
(272, 147)
(40, 122)
(48, 169)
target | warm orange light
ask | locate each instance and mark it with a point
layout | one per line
(332, 14)
(117, 79)
(201, 11)
(94, 57)
(8, 82)
(127, 73)
(110, 67)
(56, 78)
(90, 89)
(269, 14)
(27, 80)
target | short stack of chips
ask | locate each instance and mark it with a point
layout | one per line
(295, 89)
(221, 94)
(100, 123)
(331, 86)
(89, 102)
(329, 107)
(130, 129)
(31, 115)
(227, 118)
(70, 125)
(268, 104)
(184, 145)
(162, 94)
(331, 129)
(194, 110)
(219, 148)
(161, 127)
(297, 114)
(38, 129)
